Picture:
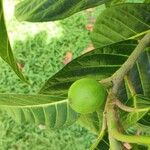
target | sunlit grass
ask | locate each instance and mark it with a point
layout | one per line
(21, 30)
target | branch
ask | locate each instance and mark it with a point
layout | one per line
(114, 144)
(107, 82)
(114, 131)
(130, 109)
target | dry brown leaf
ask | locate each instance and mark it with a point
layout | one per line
(21, 66)
(89, 27)
(88, 49)
(89, 10)
(68, 58)
(127, 146)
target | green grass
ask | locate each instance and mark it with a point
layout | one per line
(42, 52)
(29, 137)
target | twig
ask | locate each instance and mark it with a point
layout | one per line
(107, 82)
(130, 109)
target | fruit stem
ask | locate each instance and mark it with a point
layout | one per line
(107, 82)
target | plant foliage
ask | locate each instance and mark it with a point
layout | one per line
(121, 22)
(50, 10)
(5, 47)
(40, 109)
(116, 34)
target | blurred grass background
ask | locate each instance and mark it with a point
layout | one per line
(40, 49)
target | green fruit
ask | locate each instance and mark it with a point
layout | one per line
(86, 95)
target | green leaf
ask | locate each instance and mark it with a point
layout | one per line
(139, 77)
(139, 147)
(92, 121)
(146, 118)
(147, 1)
(39, 109)
(99, 63)
(102, 63)
(103, 144)
(5, 47)
(121, 22)
(115, 2)
(139, 128)
(130, 119)
(143, 67)
(50, 10)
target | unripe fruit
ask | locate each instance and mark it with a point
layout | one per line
(86, 95)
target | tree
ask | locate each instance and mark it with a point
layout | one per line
(120, 62)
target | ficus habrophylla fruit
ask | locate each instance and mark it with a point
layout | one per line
(86, 95)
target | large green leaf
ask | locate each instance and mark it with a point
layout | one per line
(121, 22)
(145, 102)
(50, 10)
(5, 47)
(139, 77)
(40, 109)
(100, 63)
(103, 144)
